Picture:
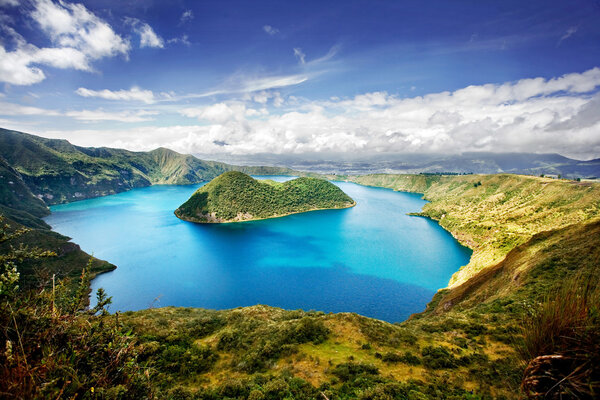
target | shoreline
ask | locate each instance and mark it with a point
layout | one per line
(259, 219)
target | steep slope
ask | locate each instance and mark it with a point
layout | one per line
(235, 196)
(16, 200)
(492, 214)
(59, 172)
(57, 255)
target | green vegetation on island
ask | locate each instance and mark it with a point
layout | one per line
(235, 196)
(52, 171)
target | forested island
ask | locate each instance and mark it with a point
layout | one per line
(235, 196)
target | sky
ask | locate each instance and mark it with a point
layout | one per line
(305, 77)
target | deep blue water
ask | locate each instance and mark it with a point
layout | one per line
(371, 259)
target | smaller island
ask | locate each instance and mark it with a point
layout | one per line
(235, 197)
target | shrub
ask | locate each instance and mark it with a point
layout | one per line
(350, 371)
(438, 358)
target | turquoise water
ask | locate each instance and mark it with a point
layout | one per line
(371, 259)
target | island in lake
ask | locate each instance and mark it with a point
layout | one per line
(235, 196)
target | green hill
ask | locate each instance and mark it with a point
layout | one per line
(235, 196)
(493, 214)
(51, 171)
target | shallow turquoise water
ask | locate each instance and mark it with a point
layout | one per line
(371, 259)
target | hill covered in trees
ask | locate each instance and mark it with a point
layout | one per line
(235, 196)
(52, 171)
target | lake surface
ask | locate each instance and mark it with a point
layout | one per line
(371, 259)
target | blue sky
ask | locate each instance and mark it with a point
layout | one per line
(246, 77)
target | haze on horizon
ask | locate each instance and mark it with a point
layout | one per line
(355, 77)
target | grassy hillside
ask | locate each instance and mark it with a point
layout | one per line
(468, 345)
(492, 214)
(17, 201)
(235, 196)
(57, 255)
(60, 172)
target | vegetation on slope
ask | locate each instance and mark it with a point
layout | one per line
(61, 258)
(493, 214)
(58, 172)
(530, 234)
(235, 196)
(53, 347)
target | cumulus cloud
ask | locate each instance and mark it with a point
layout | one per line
(78, 36)
(133, 94)
(72, 25)
(270, 30)
(531, 115)
(264, 96)
(217, 113)
(148, 38)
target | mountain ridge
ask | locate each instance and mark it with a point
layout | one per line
(56, 171)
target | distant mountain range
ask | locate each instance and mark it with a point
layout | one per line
(476, 163)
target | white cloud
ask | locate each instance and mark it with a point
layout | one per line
(248, 85)
(184, 39)
(531, 115)
(300, 55)
(217, 113)
(271, 82)
(78, 36)
(18, 110)
(101, 115)
(7, 108)
(270, 30)
(187, 16)
(72, 25)
(148, 38)
(4, 3)
(264, 96)
(135, 94)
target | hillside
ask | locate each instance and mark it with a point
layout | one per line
(56, 171)
(468, 344)
(492, 214)
(235, 196)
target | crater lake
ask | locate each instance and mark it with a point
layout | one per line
(371, 259)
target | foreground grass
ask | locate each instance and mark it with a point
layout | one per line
(469, 344)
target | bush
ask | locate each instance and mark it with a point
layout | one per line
(350, 371)
(406, 358)
(438, 358)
